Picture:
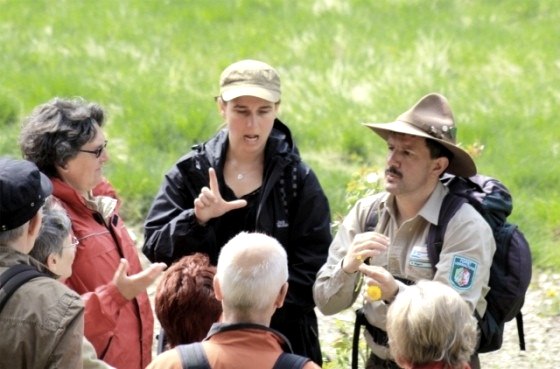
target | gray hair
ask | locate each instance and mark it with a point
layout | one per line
(55, 228)
(55, 132)
(252, 268)
(6, 237)
(431, 322)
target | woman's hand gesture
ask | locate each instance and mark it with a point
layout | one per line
(209, 204)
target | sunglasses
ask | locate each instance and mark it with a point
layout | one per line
(97, 152)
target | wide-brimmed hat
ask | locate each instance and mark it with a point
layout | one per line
(431, 117)
(250, 78)
(23, 190)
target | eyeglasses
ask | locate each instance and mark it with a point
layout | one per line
(97, 152)
(74, 243)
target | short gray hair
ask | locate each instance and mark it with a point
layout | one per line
(55, 132)
(252, 268)
(55, 228)
(12, 234)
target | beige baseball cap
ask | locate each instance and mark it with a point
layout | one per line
(250, 78)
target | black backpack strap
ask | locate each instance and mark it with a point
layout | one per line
(288, 360)
(520, 331)
(13, 278)
(371, 220)
(450, 205)
(193, 356)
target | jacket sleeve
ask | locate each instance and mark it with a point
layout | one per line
(466, 257)
(334, 289)
(310, 237)
(102, 308)
(67, 352)
(171, 229)
(90, 357)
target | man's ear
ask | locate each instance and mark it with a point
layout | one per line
(217, 289)
(440, 165)
(281, 296)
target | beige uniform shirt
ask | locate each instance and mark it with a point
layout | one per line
(465, 259)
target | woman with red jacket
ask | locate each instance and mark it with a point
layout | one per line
(66, 141)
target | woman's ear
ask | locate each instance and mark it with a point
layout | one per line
(52, 261)
(221, 106)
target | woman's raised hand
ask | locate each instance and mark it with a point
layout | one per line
(209, 204)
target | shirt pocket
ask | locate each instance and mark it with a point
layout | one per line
(418, 265)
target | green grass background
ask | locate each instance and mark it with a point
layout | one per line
(154, 65)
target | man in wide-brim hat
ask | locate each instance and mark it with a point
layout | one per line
(421, 147)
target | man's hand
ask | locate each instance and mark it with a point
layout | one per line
(209, 204)
(131, 286)
(379, 276)
(365, 245)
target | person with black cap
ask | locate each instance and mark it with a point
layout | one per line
(42, 322)
(421, 147)
(248, 177)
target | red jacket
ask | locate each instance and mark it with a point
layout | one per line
(121, 331)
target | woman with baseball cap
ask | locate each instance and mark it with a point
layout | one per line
(248, 177)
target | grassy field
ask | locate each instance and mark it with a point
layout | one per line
(154, 65)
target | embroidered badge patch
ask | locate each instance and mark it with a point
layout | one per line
(462, 272)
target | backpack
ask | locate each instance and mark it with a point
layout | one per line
(14, 277)
(194, 357)
(510, 273)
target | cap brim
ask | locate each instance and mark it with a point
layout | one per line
(462, 164)
(234, 92)
(46, 186)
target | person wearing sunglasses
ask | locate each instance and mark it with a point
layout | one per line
(65, 139)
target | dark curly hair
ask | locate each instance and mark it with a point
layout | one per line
(185, 304)
(56, 130)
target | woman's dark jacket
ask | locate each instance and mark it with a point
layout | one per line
(291, 208)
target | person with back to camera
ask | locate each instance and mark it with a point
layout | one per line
(55, 247)
(251, 282)
(185, 303)
(421, 147)
(65, 138)
(431, 327)
(42, 322)
(248, 177)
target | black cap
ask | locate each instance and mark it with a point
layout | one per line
(23, 190)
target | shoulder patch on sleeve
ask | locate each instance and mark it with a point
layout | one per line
(462, 272)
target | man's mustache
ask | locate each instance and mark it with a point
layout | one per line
(394, 171)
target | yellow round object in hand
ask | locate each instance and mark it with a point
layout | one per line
(374, 292)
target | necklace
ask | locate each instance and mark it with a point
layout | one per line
(246, 174)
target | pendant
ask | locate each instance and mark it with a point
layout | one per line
(240, 176)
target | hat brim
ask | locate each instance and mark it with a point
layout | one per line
(46, 187)
(233, 92)
(461, 164)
